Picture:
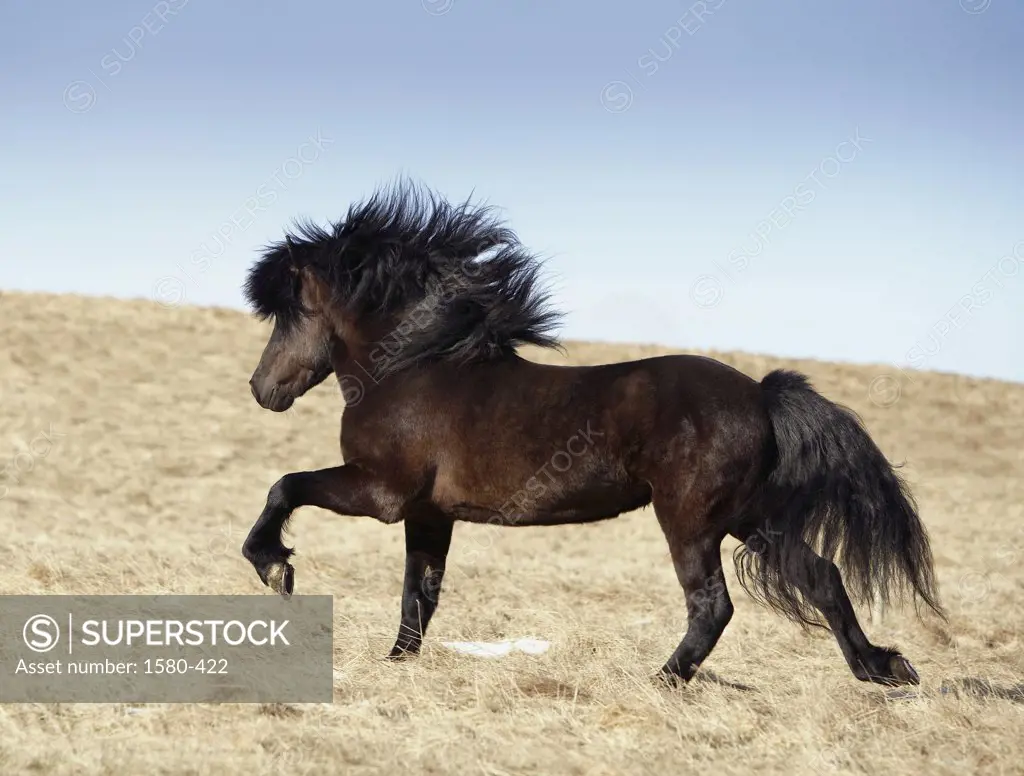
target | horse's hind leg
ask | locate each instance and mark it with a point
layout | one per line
(698, 565)
(428, 536)
(821, 584)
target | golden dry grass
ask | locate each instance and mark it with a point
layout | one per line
(164, 461)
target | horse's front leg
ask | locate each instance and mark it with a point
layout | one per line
(428, 535)
(347, 490)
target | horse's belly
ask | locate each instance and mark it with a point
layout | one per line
(550, 503)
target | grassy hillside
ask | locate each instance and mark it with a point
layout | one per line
(157, 461)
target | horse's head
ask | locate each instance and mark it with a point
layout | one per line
(399, 281)
(298, 355)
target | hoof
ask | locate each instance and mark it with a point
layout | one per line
(902, 672)
(280, 578)
(669, 680)
(892, 670)
(399, 652)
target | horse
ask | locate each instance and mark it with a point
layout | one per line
(419, 306)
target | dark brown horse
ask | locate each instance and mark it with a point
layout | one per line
(417, 307)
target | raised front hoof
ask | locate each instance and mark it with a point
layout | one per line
(279, 577)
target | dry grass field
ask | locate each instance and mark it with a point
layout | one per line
(160, 460)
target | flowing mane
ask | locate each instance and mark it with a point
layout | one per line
(458, 281)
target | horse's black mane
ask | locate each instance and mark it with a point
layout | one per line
(461, 285)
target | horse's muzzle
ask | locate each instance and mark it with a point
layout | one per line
(276, 401)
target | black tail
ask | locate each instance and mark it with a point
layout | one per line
(832, 488)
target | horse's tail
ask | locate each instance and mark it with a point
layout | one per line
(833, 489)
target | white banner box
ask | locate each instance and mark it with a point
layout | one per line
(166, 649)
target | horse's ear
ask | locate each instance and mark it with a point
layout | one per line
(315, 291)
(293, 264)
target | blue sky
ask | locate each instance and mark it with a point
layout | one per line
(841, 181)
